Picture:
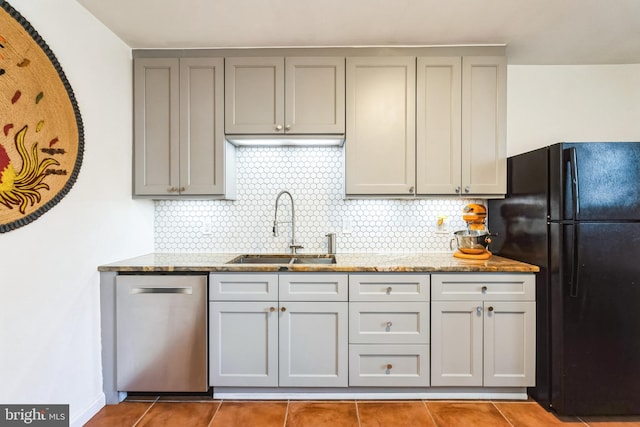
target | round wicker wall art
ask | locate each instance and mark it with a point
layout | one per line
(41, 133)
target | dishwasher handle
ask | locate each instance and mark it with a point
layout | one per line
(188, 290)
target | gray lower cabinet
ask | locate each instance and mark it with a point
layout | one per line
(179, 144)
(389, 330)
(483, 330)
(270, 330)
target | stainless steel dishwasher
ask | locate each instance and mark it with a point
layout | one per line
(161, 333)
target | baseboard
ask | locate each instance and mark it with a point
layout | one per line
(84, 416)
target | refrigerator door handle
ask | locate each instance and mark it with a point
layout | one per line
(573, 285)
(575, 193)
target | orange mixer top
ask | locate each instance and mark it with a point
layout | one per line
(475, 216)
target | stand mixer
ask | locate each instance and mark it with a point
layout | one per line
(472, 243)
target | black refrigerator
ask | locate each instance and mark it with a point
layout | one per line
(574, 210)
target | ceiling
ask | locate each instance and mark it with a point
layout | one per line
(534, 31)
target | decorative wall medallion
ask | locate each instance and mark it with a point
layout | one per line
(41, 133)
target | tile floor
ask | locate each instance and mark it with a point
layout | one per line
(163, 412)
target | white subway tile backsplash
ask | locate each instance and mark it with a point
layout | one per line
(315, 178)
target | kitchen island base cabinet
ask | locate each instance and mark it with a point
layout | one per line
(281, 342)
(483, 330)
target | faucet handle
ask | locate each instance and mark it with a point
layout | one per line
(294, 247)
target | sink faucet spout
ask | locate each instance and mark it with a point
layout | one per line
(293, 246)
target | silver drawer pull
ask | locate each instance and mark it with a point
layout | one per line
(187, 291)
(389, 324)
(479, 309)
(389, 289)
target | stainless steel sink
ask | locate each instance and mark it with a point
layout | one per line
(283, 259)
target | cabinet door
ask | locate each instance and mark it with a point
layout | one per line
(438, 125)
(314, 95)
(484, 99)
(456, 343)
(313, 344)
(380, 108)
(509, 344)
(201, 120)
(156, 126)
(243, 344)
(254, 95)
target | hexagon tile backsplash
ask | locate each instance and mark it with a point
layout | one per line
(315, 178)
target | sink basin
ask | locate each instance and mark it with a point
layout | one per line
(283, 259)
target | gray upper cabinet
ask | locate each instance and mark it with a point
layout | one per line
(179, 146)
(426, 126)
(461, 125)
(380, 139)
(484, 125)
(439, 125)
(278, 95)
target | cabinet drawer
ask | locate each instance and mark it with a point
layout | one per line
(389, 287)
(313, 287)
(389, 322)
(494, 287)
(243, 287)
(389, 365)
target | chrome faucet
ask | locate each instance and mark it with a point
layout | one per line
(293, 246)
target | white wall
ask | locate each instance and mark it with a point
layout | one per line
(548, 104)
(49, 285)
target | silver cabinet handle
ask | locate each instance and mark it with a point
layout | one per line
(389, 289)
(389, 324)
(411, 190)
(187, 290)
(479, 310)
(278, 127)
(467, 189)
(458, 190)
(287, 127)
(484, 289)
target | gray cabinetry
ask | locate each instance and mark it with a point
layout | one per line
(276, 95)
(461, 125)
(483, 330)
(389, 330)
(380, 135)
(425, 126)
(179, 146)
(484, 125)
(270, 330)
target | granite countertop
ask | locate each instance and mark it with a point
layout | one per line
(348, 262)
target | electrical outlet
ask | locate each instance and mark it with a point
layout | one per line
(205, 228)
